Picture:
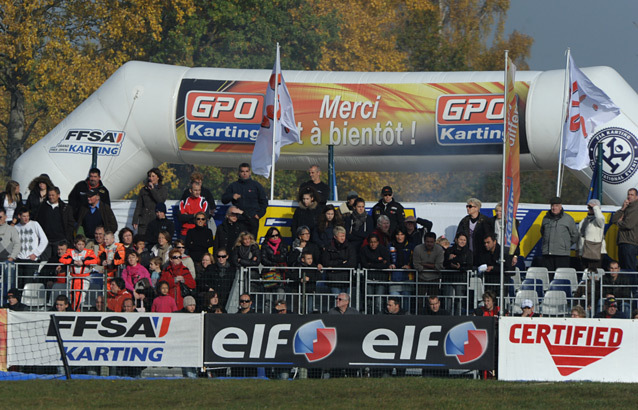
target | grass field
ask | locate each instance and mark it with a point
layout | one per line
(334, 393)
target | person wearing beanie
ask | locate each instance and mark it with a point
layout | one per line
(159, 224)
(348, 206)
(190, 305)
(13, 301)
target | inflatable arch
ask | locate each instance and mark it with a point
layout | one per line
(146, 114)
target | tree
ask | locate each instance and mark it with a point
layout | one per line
(55, 53)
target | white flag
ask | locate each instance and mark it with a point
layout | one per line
(287, 131)
(589, 107)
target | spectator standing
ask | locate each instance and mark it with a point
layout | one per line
(11, 200)
(218, 275)
(339, 254)
(96, 213)
(321, 188)
(389, 207)
(476, 227)
(199, 239)
(591, 243)
(308, 210)
(627, 220)
(559, 233)
(229, 230)
(9, 239)
(416, 236)
(177, 275)
(346, 207)
(56, 219)
(153, 193)
(329, 219)
(133, 271)
(159, 224)
(302, 244)
(78, 198)
(33, 243)
(81, 259)
(126, 237)
(38, 193)
(162, 247)
(428, 259)
(198, 178)
(358, 224)
(190, 206)
(164, 303)
(249, 196)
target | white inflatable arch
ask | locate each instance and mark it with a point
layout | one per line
(146, 114)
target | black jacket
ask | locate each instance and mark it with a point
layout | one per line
(78, 198)
(483, 228)
(307, 216)
(65, 221)
(393, 210)
(197, 242)
(376, 259)
(253, 199)
(339, 255)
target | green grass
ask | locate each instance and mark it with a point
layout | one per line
(395, 393)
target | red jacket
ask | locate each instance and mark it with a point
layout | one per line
(169, 274)
(187, 210)
(115, 301)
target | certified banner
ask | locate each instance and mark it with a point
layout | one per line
(106, 339)
(349, 341)
(564, 349)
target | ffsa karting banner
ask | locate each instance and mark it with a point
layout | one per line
(564, 349)
(349, 341)
(106, 339)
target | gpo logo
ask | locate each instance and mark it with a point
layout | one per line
(315, 341)
(620, 154)
(466, 342)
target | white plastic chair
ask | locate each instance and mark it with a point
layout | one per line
(569, 274)
(539, 273)
(521, 295)
(554, 303)
(34, 296)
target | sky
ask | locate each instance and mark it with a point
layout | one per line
(599, 33)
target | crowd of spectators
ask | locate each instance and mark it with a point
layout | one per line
(158, 273)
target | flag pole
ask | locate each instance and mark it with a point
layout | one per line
(559, 177)
(504, 182)
(275, 130)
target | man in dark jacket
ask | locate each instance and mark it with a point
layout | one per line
(559, 233)
(321, 188)
(249, 196)
(97, 213)
(78, 196)
(476, 227)
(339, 254)
(229, 230)
(56, 219)
(389, 207)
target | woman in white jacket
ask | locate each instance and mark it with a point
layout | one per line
(591, 244)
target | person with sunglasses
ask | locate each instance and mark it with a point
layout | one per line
(199, 239)
(245, 304)
(476, 227)
(389, 207)
(342, 306)
(175, 275)
(218, 274)
(180, 245)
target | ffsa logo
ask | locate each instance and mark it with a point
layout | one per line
(466, 342)
(82, 141)
(315, 341)
(111, 326)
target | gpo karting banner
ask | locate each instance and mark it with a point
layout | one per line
(106, 339)
(563, 349)
(349, 341)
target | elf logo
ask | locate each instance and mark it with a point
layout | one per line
(315, 341)
(466, 342)
(571, 347)
(111, 326)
